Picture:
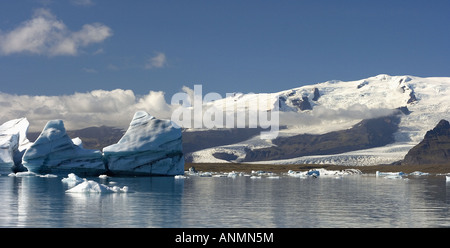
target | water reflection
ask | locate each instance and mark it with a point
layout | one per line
(350, 201)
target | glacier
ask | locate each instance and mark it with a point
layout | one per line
(149, 147)
(55, 152)
(341, 104)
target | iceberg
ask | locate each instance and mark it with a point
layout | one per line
(55, 152)
(13, 143)
(150, 147)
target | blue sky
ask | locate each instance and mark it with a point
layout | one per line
(227, 46)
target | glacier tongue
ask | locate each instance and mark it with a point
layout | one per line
(55, 152)
(149, 147)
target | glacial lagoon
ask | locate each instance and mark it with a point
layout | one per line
(224, 201)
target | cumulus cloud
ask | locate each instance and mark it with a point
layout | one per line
(158, 61)
(99, 107)
(117, 107)
(44, 34)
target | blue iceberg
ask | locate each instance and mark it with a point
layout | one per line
(54, 152)
(150, 147)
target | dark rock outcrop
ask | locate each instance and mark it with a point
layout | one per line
(365, 134)
(302, 104)
(316, 94)
(433, 149)
(412, 98)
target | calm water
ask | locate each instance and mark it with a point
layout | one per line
(351, 201)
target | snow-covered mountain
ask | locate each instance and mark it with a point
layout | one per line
(337, 105)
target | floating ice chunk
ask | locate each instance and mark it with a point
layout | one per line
(220, 175)
(394, 177)
(419, 173)
(205, 174)
(298, 174)
(313, 173)
(22, 174)
(273, 177)
(72, 179)
(48, 175)
(390, 174)
(232, 174)
(89, 186)
(103, 176)
(180, 177)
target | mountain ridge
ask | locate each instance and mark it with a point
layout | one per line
(319, 109)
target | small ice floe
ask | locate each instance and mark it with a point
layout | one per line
(298, 174)
(220, 175)
(22, 174)
(391, 175)
(273, 177)
(30, 174)
(447, 178)
(255, 177)
(385, 174)
(192, 171)
(72, 179)
(313, 173)
(103, 176)
(180, 177)
(89, 186)
(324, 173)
(418, 173)
(232, 174)
(48, 176)
(304, 174)
(205, 174)
(263, 173)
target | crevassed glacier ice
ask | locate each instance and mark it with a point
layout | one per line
(55, 152)
(150, 146)
(13, 142)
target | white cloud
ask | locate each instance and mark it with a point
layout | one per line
(44, 34)
(158, 61)
(99, 107)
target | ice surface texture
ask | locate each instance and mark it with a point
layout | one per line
(13, 142)
(55, 152)
(149, 147)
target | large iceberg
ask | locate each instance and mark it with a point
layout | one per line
(55, 152)
(13, 143)
(149, 147)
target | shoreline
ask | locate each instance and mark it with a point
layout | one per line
(279, 168)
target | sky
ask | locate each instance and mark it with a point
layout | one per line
(51, 48)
